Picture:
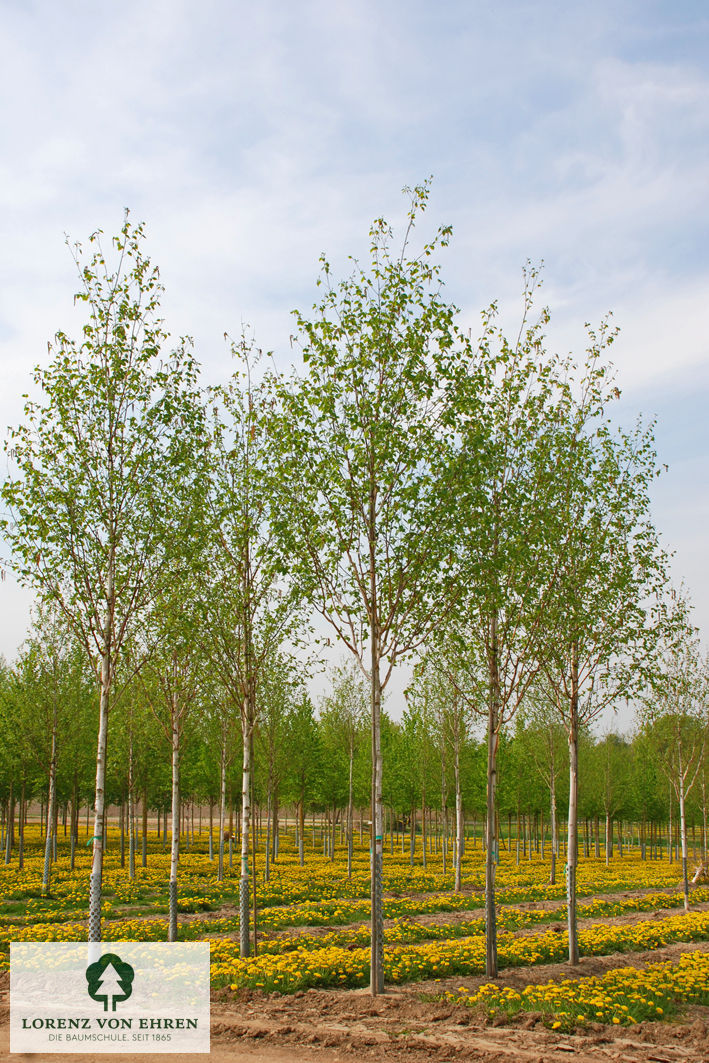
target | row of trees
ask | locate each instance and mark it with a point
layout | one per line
(319, 762)
(467, 503)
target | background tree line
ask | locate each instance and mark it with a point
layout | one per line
(315, 763)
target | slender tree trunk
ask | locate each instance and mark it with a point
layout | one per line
(267, 865)
(255, 845)
(245, 824)
(131, 810)
(276, 834)
(444, 803)
(423, 824)
(670, 846)
(51, 801)
(350, 814)
(175, 840)
(301, 830)
(412, 836)
(23, 815)
(144, 830)
(10, 836)
(493, 729)
(231, 828)
(377, 855)
(222, 805)
(74, 830)
(572, 844)
(555, 833)
(459, 843)
(101, 748)
(683, 839)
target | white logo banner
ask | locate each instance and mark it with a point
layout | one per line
(114, 996)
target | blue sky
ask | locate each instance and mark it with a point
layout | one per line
(251, 137)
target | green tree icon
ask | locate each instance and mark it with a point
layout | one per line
(110, 980)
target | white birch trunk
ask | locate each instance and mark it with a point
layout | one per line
(222, 806)
(572, 825)
(704, 820)
(458, 816)
(350, 824)
(97, 855)
(245, 827)
(51, 801)
(377, 931)
(683, 837)
(491, 805)
(131, 811)
(175, 840)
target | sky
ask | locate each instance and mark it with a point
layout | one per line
(251, 138)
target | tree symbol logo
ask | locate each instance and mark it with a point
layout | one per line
(110, 980)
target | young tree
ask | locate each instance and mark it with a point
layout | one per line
(99, 465)
(248, 607)
(19, 747)
(170, 679)
(541, 734)
(609, 771)
(342, 717)
(277, 693)
(419, 739)
(440, 692)
(596, 627)
(303, 743)
(362, 439)
(509, 419)
(676, 714)
(50, 688)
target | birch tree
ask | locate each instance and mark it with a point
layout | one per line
(598, 627)
(541, 733)
(512, 483)
(419, 733)
(345, 713)
(676, 716)
(248, 607)
(171, 686)
(440, 693)
(303, 741)
(97, 464)
(277, 694)
(366, 503)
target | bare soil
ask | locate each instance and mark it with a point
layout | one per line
(343, 1026)
(407, 1026)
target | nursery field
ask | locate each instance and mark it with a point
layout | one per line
(643, 979)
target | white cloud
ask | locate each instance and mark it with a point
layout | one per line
(251, 137)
